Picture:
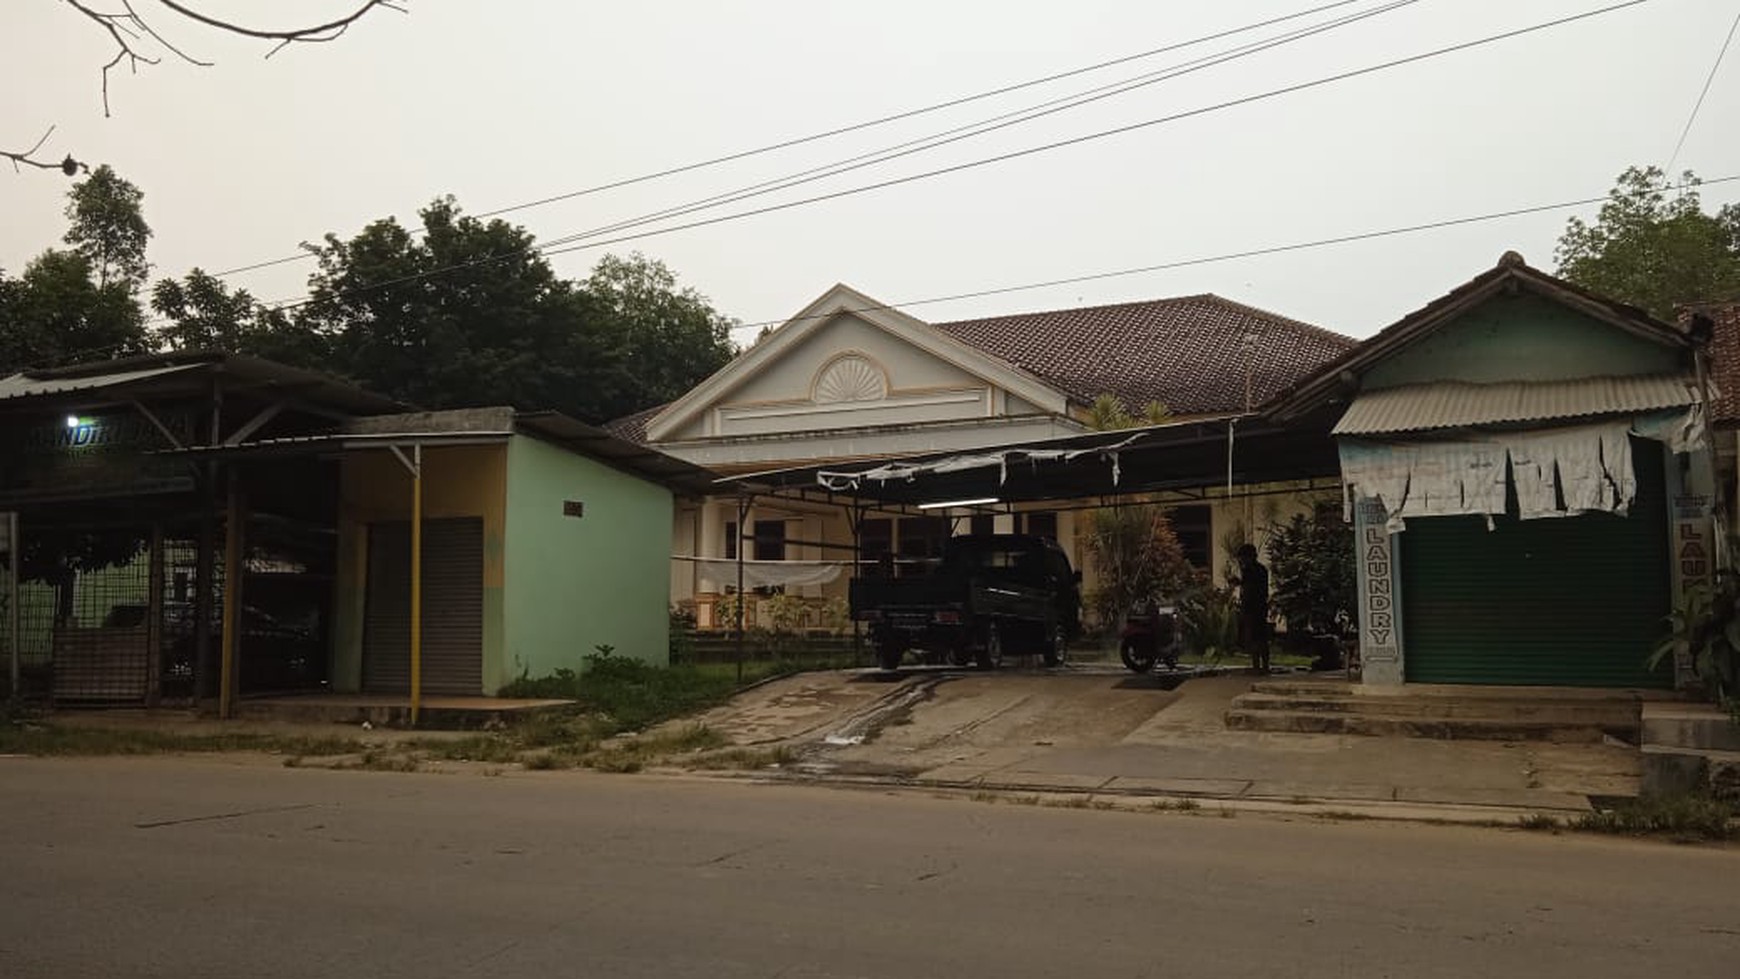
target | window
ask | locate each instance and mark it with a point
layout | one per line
(769, 540)
(1194, 527)
(921, 542)
(876, 545)
(1040, 524)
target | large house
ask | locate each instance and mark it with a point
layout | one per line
(850, 381)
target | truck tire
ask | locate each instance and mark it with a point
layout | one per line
(1055, 648)
(888, 656)
(989, 654)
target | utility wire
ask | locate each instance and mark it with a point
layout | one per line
(970, 130)
(910, 178)
(853, 127)
(1687, 131)
(1230, 256)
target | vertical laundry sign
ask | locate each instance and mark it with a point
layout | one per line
(1377, 585)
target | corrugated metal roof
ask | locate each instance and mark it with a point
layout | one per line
(28, 386)
(1452, 404)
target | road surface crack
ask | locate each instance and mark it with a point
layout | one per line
(224, 815)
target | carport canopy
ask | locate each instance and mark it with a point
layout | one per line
(1183, 457)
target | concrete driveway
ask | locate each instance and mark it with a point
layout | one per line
(1098, 730)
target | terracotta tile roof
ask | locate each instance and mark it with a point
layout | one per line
(1188, 353)
(1724, 358)
(632, 428)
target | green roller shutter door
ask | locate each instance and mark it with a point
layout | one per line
(1575, 601)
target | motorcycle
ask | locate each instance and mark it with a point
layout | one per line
(1151, 636)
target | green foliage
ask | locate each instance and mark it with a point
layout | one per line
(56, 313)
(1653, 246)
(108, 228)
(628, 694)
(1705, 630)
(1138, 559)
(1686, 816)
(1209, 619)
(1311, 574)
(1136, 554)
(671, 337)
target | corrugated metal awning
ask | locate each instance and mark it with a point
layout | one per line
(28, 386)
(1453, 404)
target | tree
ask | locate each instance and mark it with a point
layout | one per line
(107, 226)
(468, 313)
(204, 314)
(1137, 555)
(82, 304)
(55, 313)
(1654, 246)
(672, 337)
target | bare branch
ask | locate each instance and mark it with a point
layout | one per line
(133, 15)
(68, 166)
(317, 33)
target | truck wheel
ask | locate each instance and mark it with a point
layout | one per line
(1056, 646)
(990, 654)
(888, 656)
(1137, 657)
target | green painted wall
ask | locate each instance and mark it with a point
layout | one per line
(574, 584)
(1523, 338)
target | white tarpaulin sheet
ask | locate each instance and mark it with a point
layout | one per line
(767, 574)
(1557, 472)
(1000, 460)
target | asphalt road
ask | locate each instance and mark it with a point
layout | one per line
(199, 868)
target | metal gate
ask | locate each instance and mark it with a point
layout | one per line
(452, 607)
(1575, 601)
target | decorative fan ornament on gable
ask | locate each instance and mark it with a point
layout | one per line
(850, 378)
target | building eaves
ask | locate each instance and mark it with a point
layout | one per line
(1441, 405)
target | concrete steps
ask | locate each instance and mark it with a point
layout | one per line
(1690, 749)
(1465, 713)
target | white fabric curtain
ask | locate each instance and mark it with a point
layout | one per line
(1557, 472)
(767, 574)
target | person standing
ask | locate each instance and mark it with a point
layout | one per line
(1254, 607)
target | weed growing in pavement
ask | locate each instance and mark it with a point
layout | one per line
(1068, 802)
(1228, 813)
(744, 759)
(1684, 817)
(1343, 816)
(1187, 805)
(543, 761)
(983, 796)
(1539, 821)
(1023, 800)
(1103, 804)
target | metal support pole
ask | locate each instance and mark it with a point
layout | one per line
(416, 582)
(14, 558)
(743, 538)
(154, 619)
(232, 597)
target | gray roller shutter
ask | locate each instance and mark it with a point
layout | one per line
(1574, 601)
(452, 608)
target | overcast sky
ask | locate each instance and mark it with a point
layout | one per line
(502, 103)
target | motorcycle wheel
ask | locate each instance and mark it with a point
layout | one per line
(1056, 646)
(990, 655)
(1137, 659)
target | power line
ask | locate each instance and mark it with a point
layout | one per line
(1231, 256)
(853, 127)
(985, 161)
(970, 130)
(1687, 131)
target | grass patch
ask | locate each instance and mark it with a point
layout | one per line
(744, 759)
(983, 796)
(1539, 821)
(1343, 816)
(1023, 800)
(1685, 817)
(49, 739)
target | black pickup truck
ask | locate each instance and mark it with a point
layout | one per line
(990, 592)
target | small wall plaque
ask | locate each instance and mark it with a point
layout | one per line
(573, 508)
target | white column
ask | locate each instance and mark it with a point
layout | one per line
(1380, 596)
(712, 538)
